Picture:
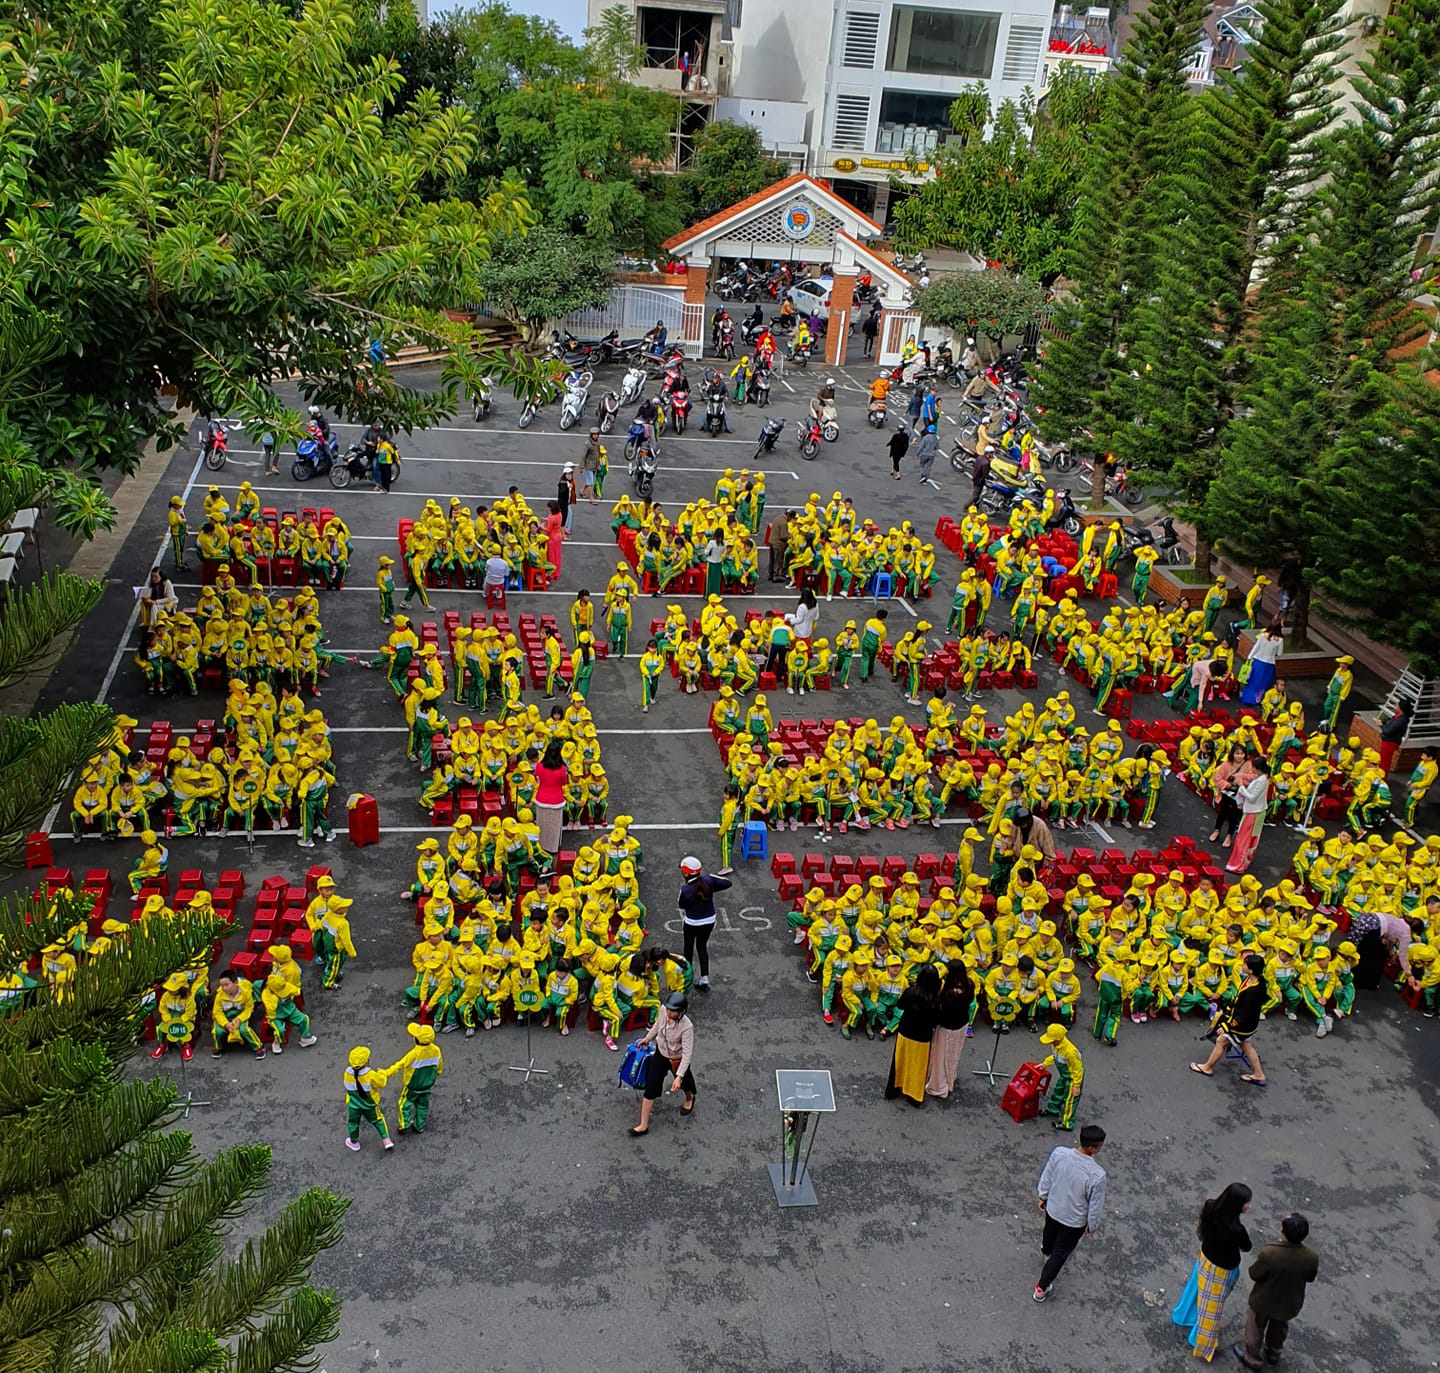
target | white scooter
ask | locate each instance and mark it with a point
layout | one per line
(633, 384)
(577, 396)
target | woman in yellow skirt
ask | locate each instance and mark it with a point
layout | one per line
(919, 1007)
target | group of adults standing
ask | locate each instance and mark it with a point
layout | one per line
(934, 1015)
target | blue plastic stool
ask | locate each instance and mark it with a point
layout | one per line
(754, 840)
(883, 586)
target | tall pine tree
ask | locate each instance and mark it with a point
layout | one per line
(1326, 404)
(115, 1248)
(1117, 222)
(1234, 200)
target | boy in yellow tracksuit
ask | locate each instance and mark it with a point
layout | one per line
(421, 1065)
(363, 1085)
(231, 1010)
(277, 995)
(1069, 1080)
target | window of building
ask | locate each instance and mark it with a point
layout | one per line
(942, 42)
(852, 122)
(665, 34)
(912, 122)
(862, 41)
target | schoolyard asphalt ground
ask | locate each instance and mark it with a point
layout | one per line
(526, 1231)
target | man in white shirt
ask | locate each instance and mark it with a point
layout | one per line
(1072, 1197)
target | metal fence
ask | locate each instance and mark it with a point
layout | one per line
(633, 310)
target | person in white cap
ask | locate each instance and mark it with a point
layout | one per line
(697, 907)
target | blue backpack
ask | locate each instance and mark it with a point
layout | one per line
(632, 1065)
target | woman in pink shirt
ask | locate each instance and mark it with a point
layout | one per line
(1226, 780)
(554, 537)
(551, 775)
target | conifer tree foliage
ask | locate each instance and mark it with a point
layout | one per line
(1117, 225)
(1332, 412)
(1231, 207)
(116, 1255)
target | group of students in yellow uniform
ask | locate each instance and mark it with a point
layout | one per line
(501, 758)
(1043, 763)
(666, 551)
(234, 539)
(176, 1004)
(833, 549)
(275, 769)
(1166, 948)
(458, 542)
(495, 943)
(241, 632)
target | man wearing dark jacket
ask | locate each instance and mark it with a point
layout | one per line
(899, 446)
(1280, 1274)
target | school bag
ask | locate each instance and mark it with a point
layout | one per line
(632, 1065)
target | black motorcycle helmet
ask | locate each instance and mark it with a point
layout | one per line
(677, 1001)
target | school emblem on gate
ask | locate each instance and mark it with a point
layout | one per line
(798, 221)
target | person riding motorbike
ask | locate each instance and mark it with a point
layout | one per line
(715, 390)
(879, 391)
(765, 347)
(752, 322)
(823, 406)
(802, 337)
(969, 358)
(649, 411)
(657, 338)
(787, 313)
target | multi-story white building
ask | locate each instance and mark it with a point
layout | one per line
(854, 91)
(878, 77)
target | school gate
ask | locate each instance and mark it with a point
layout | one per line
(796, 220)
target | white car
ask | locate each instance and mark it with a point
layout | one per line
(812, 297)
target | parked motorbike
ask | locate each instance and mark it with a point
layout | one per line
(617, 349)
(215, 444)
(1166, 543)
(661, 363)
(574, 352)
(609, 407)
(577, 396)
(633, 384)
(808, 432)
(1066, 517)
(769, 433)
(480, 399)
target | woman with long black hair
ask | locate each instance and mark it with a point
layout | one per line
(1223, 1238)
(697, 909)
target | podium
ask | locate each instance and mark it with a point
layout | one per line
(805, 1094)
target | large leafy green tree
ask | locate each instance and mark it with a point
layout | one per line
(544, 274)
(1114, 251)
(987, 303)
(115, 1228)
(1006, 188)
(730, 163)
(206, 198)
(1330, 418)
(1232, 204)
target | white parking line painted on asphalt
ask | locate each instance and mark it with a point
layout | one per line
(534, 462)
(909, 609)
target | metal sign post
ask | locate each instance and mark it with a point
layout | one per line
(805, 1095)
(990, 1070)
